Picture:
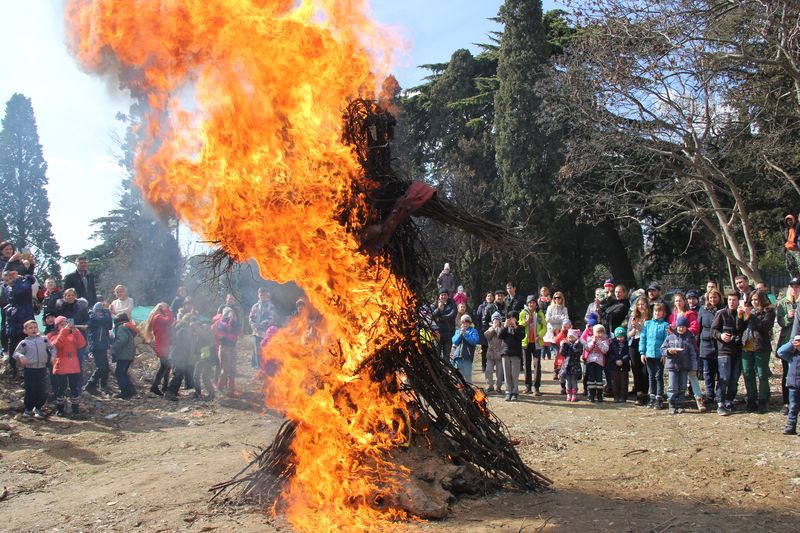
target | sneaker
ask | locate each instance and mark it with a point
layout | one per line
(785, 410)
(514, 398)
(789, 431)
(156, 391)
(659, 404)
(680, 410)
(721, 411)
(508, 397)
(671, 410)
(528, 390)
(537, 393)
(26, 413)
(37, 413)
(171, 396)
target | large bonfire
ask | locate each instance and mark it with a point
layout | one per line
(245, 143)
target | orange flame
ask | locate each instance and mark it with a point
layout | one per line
(244, 143)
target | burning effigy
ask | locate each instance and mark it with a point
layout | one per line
(265, 137)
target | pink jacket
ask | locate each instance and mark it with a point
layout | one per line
(597, 349)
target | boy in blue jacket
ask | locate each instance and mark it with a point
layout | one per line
(464, 341)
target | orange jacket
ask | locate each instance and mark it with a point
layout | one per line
(67, 344)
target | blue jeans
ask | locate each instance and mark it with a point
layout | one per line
(677, 387)
(730, 368)
(794, 407)
(655, 375)
(464, 367)
(710, 377)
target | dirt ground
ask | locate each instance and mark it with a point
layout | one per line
(146, 465)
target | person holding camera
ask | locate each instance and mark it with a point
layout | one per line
(727, 329)
(511, 334)
(67, 339)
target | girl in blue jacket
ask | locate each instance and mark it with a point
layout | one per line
(464, 342)
(654, 333)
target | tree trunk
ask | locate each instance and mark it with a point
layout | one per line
(616, 255)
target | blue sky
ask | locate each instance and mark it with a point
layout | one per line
(75, 112)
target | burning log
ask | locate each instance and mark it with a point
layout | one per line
(452, 444)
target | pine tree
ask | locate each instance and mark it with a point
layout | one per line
(24, 206)
(526, 157)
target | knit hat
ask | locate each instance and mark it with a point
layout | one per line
(574, 333)
(530, 298)
(514, 315)
(794, 281)
(682, 321)
(654, 287)
(466, 318)
(97, 307)
(444, 291)
(619, 332)
(566, 322)
(608, 283)
(499, 291)
(496, 316)
(592, 320)
(692, 294)
(60, 320)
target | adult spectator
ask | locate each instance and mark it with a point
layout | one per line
(639, 315)
(22, 262)
(262, 316)
(82, 281)
(594, 307)
(616, 309)
(513, 301)
(708, 344)
(654, 296)
(785, 316)
(693, 300)
(534, 325)
(791, 234)
(762, 286)
(484, 323)
(446, 280)
(444, 314)
(177, 302)
(727, 329)
(555, 315)
(743, 290)
(6, 251)
(759, 319)
(51, 295)
(18, 292)
(123, 303)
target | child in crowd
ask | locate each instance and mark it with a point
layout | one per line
(465, 340)
(33, 354)
(591, 322)
(494, 363)
(618, 365)
(680, 351)
(652, 337)
(511, 334)
(100, 324)
(790, 352)
(558, 360)
(158, 330)
(67, 340)
(123, 351)
(571, 349)
(595, 355)
(205, 369)
(226, 331)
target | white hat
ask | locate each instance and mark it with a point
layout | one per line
(466, 318)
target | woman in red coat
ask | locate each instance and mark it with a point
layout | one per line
(158, 331)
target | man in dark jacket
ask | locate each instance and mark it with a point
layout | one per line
(727, 330)
(82, 281)
(444, 314)
(654, 296)
(513, 301)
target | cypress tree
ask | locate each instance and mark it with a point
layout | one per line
(24, 206)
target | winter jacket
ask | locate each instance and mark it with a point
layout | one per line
(596, 350)
(691, 316)
(614, 313)
(464, 345)
(226, 331)
(783, 308)
(446, 281)
(161, 325)
(445, 318)
(122, 306)
(20, 304)
(124, 346)
(555, 317)
(78, 311)
(37, 350)
(512, 341)
(760, 323)
(728, 321)
(261, 316)
(49, 301)
(88, 292)
(708, 344)
(534, 329)
(618, 351)
(100, 325)
(572, 359)
(495, 344)
(790, 355)
(514, 303)
(67, 344)
(181, 351)
(653, 334)
(684, 360)
(20, 267)
(460, 298)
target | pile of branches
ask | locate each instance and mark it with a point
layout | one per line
(440, 402)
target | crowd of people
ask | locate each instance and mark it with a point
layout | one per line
(693, 348)
(81, 326)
